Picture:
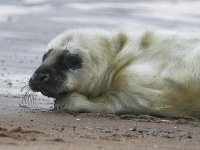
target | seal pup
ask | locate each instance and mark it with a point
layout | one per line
(93, 70)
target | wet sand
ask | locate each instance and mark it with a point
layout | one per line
(25, 28)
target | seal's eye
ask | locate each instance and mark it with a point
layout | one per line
(74, 61)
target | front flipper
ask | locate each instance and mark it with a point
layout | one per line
(78, 103)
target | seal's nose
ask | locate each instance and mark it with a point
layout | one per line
(43, 78)
(40, 78)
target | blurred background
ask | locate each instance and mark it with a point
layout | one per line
(26, 26)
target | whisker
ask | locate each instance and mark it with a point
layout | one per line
(24, 87)
(28, 96)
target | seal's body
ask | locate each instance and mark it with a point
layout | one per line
(144, 73)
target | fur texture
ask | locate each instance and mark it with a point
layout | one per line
(142, 73)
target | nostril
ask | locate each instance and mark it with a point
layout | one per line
(43, 77)
(33, 78)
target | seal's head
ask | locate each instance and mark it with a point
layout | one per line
(50, 78)
(72, 63)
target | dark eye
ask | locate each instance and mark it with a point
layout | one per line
(74, 61)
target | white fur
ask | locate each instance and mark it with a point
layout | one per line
(152, 73)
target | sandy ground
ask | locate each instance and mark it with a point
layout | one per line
(25, 128)
(25, 28)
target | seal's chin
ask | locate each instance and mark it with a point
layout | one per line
(48, 94)
(53, 95)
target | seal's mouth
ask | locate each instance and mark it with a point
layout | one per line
(44, 90)
(52, 93)
(49, 89)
